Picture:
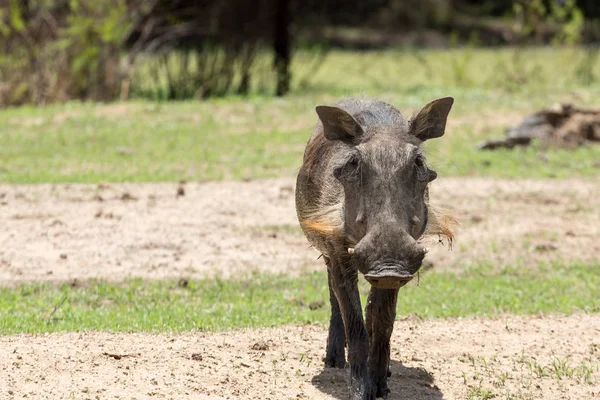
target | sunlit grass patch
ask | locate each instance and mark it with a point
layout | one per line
(260, 136)
(269, 300)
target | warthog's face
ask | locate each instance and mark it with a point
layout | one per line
(385, 177)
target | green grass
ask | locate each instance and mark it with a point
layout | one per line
(153, 142)
(260, 136)
(268, 300)
(457, 156)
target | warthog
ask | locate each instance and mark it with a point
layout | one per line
(362, 201)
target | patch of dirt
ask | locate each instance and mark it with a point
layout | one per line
(518, 222)
(154, 231)
(117, 231)
(550, 357)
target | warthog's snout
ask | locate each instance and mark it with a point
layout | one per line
(388, 262)
(388, 276)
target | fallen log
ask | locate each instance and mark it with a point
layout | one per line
(561, 125)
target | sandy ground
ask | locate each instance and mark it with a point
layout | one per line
(116, 231)
(526, 358)
(157, 231)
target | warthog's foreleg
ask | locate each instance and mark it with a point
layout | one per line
(345, 288)
(335, 356)
(380, 315)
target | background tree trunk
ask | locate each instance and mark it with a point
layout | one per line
(282, 45)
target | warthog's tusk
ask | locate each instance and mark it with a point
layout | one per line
(426, 250)
(350, 250)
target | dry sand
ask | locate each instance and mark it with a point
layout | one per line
(117, 231)
(434, 360)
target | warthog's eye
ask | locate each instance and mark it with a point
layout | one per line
(419, 161)
(422, 171)
(349, 169)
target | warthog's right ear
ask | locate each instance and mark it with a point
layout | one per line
(338, 124)
(430, 122)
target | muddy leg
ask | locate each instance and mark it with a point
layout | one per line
(344, 283)
(381, 313)
(336, 340)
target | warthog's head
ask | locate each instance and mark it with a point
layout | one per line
(385, 177)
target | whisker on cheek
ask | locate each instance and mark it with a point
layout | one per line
(319, 226)
(440, 223)
(326, 225)
(327, 220)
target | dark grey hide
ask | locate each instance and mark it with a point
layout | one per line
(361, 199)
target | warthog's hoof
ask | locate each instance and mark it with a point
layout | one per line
(388, 277)
(335, 362)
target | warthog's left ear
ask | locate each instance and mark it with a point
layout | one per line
(338, 124)
(430, 122)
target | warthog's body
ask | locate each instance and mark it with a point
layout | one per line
(362, 200)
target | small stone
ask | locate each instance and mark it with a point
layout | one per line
(262, 345)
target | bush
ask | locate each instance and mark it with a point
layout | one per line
(56, 50)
